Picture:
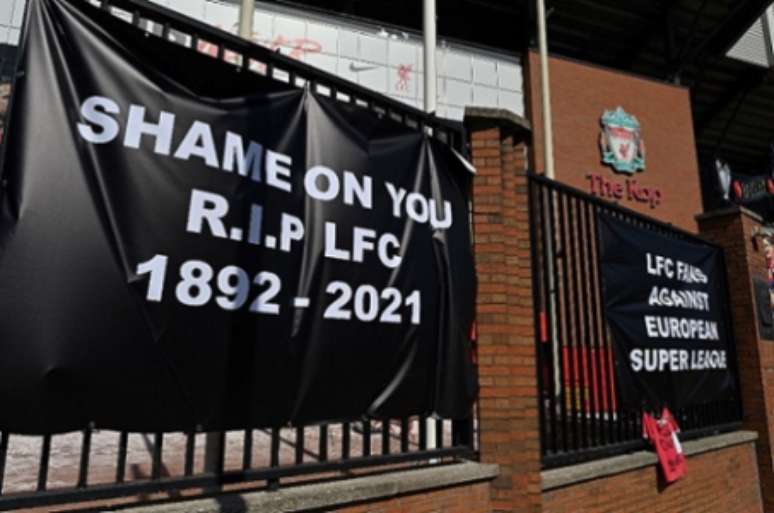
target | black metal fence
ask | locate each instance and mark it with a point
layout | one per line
(581, 417)
(95, 465)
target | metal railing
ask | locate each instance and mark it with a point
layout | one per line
(96, 465)
(198, 36)
(581, 417)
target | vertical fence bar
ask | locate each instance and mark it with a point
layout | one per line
(625, 420)
(366, 438)
(45, 455)
(275, 447)
(550, 363)
(606, 399)
(323, 449)
(404, 434)
(190, 445)
(386, 436)
(123, 440)
(4, 436)
(422, 433)
(567, 345)
(345, 440)
(557, 312)
(158, 447)
(534, 204)
(274, 458)
(299, 445)
(542, 336)
(590, 327)
(247, 450)
(618, 415)
(579, 346)
(83, 468)
(215, 446)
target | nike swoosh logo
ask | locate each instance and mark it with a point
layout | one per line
(354, 68)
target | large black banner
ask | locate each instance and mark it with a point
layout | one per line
(184, 244)
(664, 304)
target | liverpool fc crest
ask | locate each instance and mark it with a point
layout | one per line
(620, 141)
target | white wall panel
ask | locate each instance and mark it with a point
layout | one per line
(349, 45)
(193, 8)
(326, 36)
(373, 49)
(456, 65)
(402, 53)
(458, 92)
(286, 28)
(263, 27)
(454, 112)
(345, 69)
(512, 101)
(389, 63)
(11, 19)
(484, 71)
(485, 96)
(509, 76)
(6, 12)
(323, 61)
(14, 35)
(375, 79)
(18, 13)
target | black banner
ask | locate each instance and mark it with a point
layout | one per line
(664, 304)
(185, 244)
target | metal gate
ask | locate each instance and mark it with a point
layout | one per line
(581, 417)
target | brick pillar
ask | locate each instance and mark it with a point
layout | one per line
(733, 230)
(506, 343)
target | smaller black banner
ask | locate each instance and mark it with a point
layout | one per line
(664, 304)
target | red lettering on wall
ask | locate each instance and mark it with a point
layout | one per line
(631, 190)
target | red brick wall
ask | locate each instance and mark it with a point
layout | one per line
(465, 499)
(723, 481)
(745, 260)
(506, 344)
(580, 93)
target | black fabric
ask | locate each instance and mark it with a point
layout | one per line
(647, 278)
(81, 341)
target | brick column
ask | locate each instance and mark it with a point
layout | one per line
(506, 343)
(733, 230)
